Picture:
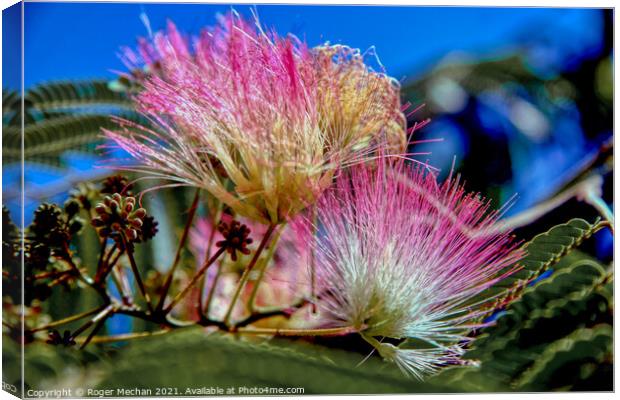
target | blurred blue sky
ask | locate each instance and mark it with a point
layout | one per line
(69, 40)
(11, 47)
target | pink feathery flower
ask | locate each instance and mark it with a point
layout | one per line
(262, 122)
(401, 256)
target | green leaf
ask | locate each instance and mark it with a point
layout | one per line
(48, 139)
(542, 252)
(191, 359)
(574, 282)
(60, 116)
(46, 366)
(71, 95)
(583, 346)
(548, 248)
(574, 297)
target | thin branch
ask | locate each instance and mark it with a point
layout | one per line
(579, 190)
(261, 314)
(246, 272)
(195, 279)
(107, 264)
(346, 330)
(83, 277)
(104, 240)
(203, 281)
(122, 285)
(263, 267)
(136, 272)
(212, 290)
(602, 225)
(67, 258)
(595, 200)
(123, 337)
(68, 319)
(313, 260)
(53, 274)
(62, 278)
(177, 257)
(102, 315)
(92, 333)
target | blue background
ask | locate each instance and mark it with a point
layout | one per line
(68, 41)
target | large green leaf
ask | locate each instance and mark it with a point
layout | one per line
(574, 297)
(46, 366)
(544, 310)
(575, 275)
(193, 359)
(569, 356)
(548, 248)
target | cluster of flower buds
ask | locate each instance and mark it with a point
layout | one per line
(53, 227)
(149, 229)
(116, 184)
(118, 215)
(235, 238)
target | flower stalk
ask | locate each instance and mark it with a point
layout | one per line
(263, 268)
(195, 279)
(199, 306)
(136, 272)
(246, 272)
(216, 279)
(180, 247)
